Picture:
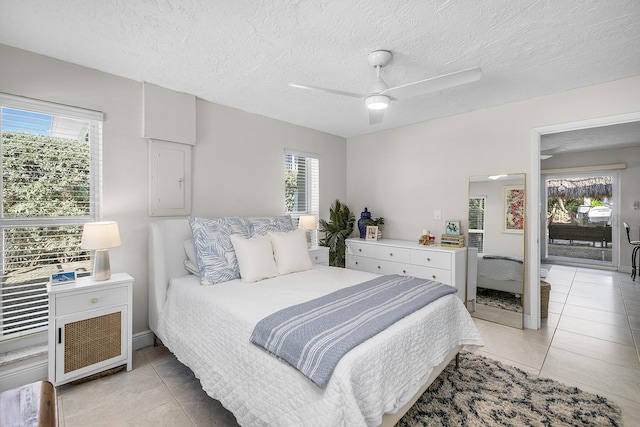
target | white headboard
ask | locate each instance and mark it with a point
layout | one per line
(166, 260)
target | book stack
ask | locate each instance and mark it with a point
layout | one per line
(451, 241)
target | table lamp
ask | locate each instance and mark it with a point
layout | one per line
(100, 236)
(308, 223)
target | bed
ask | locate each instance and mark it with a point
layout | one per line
(208, 328)
(501, 273)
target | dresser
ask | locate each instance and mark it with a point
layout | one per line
(89, 327)
(388, 256)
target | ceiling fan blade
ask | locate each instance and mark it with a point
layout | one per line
(322, 89)
(375, 116)
(434, 84)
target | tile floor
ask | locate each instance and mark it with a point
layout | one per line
(591, 340)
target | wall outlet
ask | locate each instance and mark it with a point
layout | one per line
(437, 214)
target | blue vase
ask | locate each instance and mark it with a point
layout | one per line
(361, 225)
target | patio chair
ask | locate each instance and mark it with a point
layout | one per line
(634, 254)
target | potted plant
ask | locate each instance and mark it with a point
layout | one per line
(336, 231)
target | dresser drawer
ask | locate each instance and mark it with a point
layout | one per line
(361, 249)
(67, 304)
(319, 256)
(436, 274)
(431, 259)
(393, 253)
(362, 263)
(385, 267)
(398, 268)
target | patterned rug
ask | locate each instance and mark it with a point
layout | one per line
(484, 392)
(499, 299)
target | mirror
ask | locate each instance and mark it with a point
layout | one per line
(495, 236)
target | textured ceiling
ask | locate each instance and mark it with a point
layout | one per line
(593, 139)
(243, 54)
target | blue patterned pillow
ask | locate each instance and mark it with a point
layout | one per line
(262, 226)
(216, 258)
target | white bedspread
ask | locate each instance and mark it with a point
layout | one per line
(208, 329)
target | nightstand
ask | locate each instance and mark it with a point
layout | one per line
(319, 255)
(90, 327)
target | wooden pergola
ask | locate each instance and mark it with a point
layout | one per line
(573, 188)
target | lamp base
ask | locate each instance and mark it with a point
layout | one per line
(101, 267)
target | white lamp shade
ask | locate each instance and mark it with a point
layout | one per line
(100, 235)
(307, 222)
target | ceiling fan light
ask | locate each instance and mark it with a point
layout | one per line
(377, 102)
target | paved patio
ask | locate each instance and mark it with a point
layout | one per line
(580, 250)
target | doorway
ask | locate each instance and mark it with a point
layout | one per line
(580, 212)
(537, 230)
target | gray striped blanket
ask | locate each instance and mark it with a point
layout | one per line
(313, 336)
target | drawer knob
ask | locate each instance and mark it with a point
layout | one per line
(434, 276)
(404, 271)
(428, 259)
(359, 250)
(390, 253)
(316, 258)
(379, 267)
(356, 262)
(94, 300)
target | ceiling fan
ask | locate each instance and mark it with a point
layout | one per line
(380, 94)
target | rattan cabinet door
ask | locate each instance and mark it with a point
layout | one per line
(90, 342)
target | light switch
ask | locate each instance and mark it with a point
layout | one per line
(437, 214)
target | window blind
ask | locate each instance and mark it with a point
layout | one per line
(302, 185)
(476, 222)
(51, 169)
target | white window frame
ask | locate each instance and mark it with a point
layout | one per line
(38, 336)
(312, 191)
(478, 230)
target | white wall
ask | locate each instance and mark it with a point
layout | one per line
(629, 188)
(238, 161)
(405, 174)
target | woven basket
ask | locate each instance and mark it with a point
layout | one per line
(545, 289)
(99, 375)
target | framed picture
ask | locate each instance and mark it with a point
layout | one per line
(63, 278)
(452, 228)
(513, 221)
(372, 232)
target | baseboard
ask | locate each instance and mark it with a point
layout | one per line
(25, 373)
(624, 269)
(527, 321)
(142, 339)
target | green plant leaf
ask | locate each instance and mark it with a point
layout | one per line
(337, 230)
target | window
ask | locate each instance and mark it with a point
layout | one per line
(302, 184)
(476, 222)
(50, 188)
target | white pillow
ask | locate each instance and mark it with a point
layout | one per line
(255, 257)
(190, 251)
(291, 251)
(191, 263)
(191, 268)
